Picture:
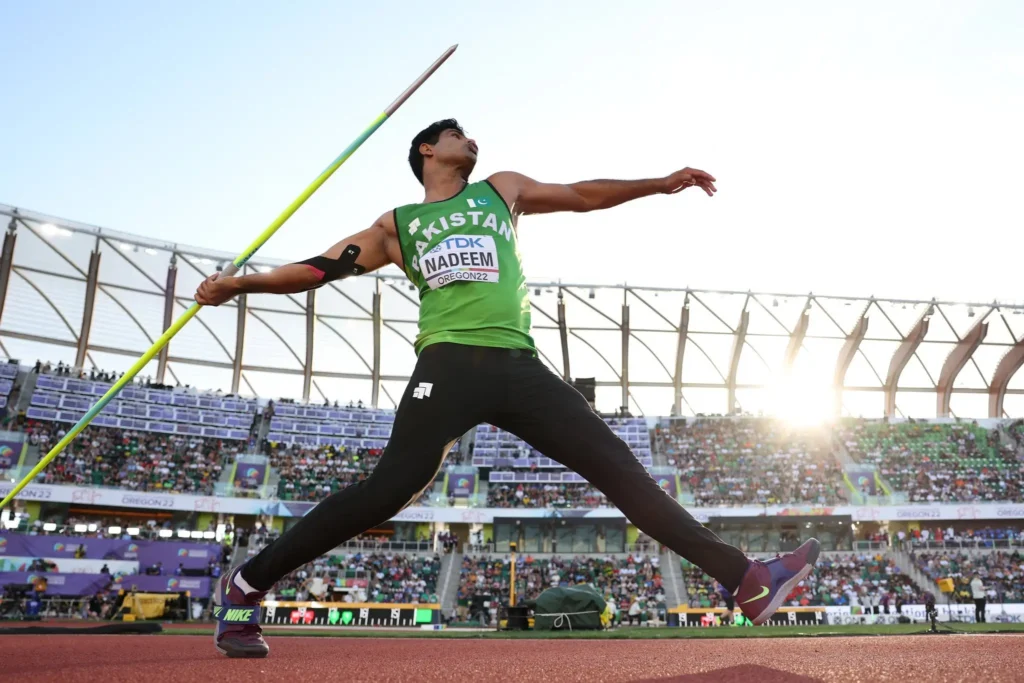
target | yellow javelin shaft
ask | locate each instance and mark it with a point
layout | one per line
(231, 269)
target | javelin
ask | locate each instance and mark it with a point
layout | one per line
(228, 271)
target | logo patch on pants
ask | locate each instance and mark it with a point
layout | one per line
(423, 390)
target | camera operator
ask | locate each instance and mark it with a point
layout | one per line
(978, 594)
(930, 611)
(34, 602)
(15, 597)
(729, 602)
(98, 606)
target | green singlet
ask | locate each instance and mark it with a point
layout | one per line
(463, 256)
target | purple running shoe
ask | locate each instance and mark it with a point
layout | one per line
(238, 632)
(766, 585)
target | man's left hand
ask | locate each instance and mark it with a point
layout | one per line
(689, 177)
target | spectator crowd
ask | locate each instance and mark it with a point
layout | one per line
(357, 577)
(741, 461)
(938, 463)
(135, 460)
(1001, 573)
(622, 581)
(525, 495)
(747, 461)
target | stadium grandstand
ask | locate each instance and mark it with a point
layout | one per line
(888, 429)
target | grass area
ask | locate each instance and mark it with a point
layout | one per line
(636, 633)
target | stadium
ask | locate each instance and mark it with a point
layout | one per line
(851, 465)
(909, 479)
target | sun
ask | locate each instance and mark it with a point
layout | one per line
(803, 396)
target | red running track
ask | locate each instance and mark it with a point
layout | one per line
(166, 659)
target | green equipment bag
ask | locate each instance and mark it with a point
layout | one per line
(574, 609)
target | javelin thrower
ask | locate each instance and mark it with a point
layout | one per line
(477, 362)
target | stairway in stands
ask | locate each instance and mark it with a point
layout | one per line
(672, 580)
(21, 396)
(448, 581)
(907, 566)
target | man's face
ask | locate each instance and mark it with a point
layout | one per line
(454, 149)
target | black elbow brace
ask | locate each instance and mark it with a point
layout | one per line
(336, 269)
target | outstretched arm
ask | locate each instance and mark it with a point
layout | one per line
(529, 196)
(363, 252)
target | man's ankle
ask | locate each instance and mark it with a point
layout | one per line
(242, 584)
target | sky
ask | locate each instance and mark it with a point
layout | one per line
(870, 148)
(860, 149)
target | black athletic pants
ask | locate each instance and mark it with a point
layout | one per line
(979, 610)
(456, 387)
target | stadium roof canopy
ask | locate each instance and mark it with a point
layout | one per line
(94, 297)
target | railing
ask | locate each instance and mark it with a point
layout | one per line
(440, 500)
(139, 531)
(650, 549)
(227, 489)
(14, 474)
(56, 607)
(870, 545)
(971, 544)
(383, 546)
(20, 472)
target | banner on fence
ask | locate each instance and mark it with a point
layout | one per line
(845, 614)
(348, 614)
(170, 553)
(461, 485)
(69, 566)
(11, 453)
(698, 617)
(198, 586)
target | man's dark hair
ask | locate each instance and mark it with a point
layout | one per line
(429, 135)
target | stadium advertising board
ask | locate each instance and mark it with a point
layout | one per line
(1012, 613)
(11, 453)
(250, 474)
(111, 497)
(255, 506)
(348, 614)
(146, 553)
(863, 480)
(669, 484)
(461, 485)
(84, 585)
(198, 586)
(70, 566)
(72, 585)
(697, 617)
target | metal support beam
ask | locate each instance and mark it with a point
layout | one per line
(904, 352)
(236, 363)
(955, 362)
(6, 259)
(563, 335)
(625, 358)
(91, 282)
(307, 368)
(734, 363)
(796, 340)
(1008, 365)
(172, 280)
(677, 377)
(846, 355)
(375, 372)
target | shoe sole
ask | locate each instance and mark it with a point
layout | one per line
(242, 654)
(788, 586)
(233, 654)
